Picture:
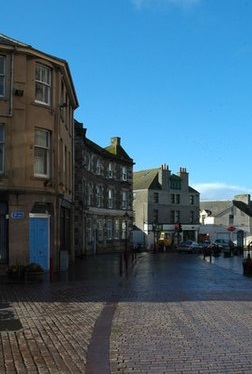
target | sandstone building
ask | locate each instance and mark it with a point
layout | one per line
(37, 103)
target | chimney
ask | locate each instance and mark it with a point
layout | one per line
(164, 176)
(184, 177)
(116, 141)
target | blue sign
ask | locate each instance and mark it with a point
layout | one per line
(17, 215)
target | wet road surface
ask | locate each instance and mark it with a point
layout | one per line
(172, 313)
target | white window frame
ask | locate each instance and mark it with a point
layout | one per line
(42, 162)
(110, 198)
(43, 82)
(124, 173)
(2, 75)
(2, 148)
(124, 228)
(110, 170)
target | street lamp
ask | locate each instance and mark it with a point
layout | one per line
(124, 254)
(155, 230)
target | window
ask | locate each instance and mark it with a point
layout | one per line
(191, 200)
(175, 184)
(231, 219)
(42, 84)
(116, 229)
(2, 76)
(175, 216)
(124, 173)
(156, 197)
(98, 167)
(175, 198)
(99, 196)
(42, 153)
(109, 229)
(110, 170)
(2, 148)
(124, 200)
(110, 198)
(90, 194)
(100, 224)
(89, 231)
(124, 228)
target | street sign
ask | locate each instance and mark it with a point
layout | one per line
(231, 228)
(17, 215)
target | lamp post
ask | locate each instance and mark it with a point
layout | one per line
(124, 254)
(155, 230)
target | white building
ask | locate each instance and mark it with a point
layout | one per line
(227, 219)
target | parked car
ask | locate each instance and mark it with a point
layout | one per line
(205, 243)
(221, 243)
(189, 246)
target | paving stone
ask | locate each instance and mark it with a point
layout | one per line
(171, 314)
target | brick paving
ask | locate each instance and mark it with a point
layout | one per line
(172, 314)
(55, 335)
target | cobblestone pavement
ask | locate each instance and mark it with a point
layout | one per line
(171, 314)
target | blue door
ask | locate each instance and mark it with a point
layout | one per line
(39, 241)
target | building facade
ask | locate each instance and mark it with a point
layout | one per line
(103, 196)
(162, 201)
(227, 219)
(37, 103)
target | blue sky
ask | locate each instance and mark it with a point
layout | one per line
(172, 78)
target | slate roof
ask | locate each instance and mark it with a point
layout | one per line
(192, 190)
(119, 152)
(4, 39)
(146, 179)
(110, 152)
(216, 208)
